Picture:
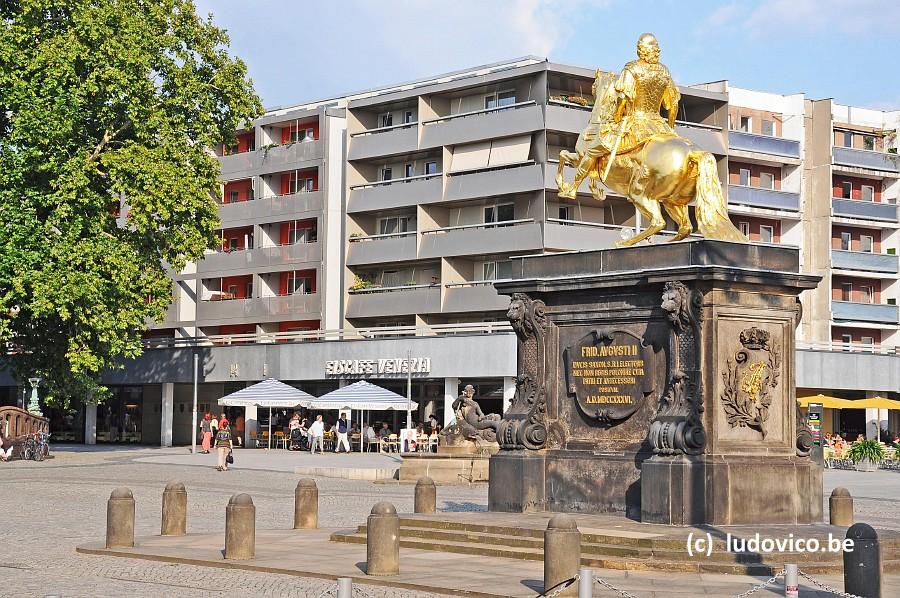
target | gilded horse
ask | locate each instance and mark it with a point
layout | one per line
(664, 170)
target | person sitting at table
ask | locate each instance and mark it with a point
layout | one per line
(368, 435)
(385, 431)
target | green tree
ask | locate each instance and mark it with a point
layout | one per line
(102, 102)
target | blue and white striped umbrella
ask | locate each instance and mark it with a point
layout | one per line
(268, 393)
(362, 395)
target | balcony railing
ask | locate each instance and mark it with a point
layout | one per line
(502, 223)
(481, 239)
(394, 301)
(378, 130)
(866, 261)
(878, 349)
(865, 312)
(764, 144)
(763, 198)
(450, 117)
(382, 249)
(869, 210)
(848, 156)
(342, 334)
(265, 308)
(473, 296)
(408, 179)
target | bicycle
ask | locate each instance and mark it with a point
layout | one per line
(36, 446)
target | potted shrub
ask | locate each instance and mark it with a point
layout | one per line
(867, 454)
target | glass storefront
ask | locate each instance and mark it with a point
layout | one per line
(120, 418)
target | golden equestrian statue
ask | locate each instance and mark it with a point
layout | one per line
(630, 148)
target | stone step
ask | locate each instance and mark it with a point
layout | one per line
(618, 562)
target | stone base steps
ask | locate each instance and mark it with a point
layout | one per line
(348, 473)
(606, 551)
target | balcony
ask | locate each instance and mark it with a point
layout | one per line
(171, 318)
(260, 257)
(848, 156)
(270, 159)
(865, 312)
(397, 193)
(475, 296)
(865, 261)
(575, 235)
(384, 141)
(394, 301)
(295, 206)
(381, 249)
(259, 309)
(503, 121)
(868, 210)
(479, 239)
(763, 144)
(498, 180)
(758, 197)
(567, 116)
(707, 137)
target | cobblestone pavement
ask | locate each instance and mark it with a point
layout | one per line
(53, 506)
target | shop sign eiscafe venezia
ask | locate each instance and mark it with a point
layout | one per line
(369, 367)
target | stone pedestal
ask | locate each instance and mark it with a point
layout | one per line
(658, 381)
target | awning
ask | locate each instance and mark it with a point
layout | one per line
(829, 402)
(877, 403)
(362, 395)
(268, 393)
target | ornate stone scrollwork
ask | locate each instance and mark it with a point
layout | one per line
(677, 427)
(804, 434)
(524, 424)
(749, 378)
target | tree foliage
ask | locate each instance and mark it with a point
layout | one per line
(103, 101)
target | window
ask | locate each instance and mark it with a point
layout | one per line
(299, 285)
(386, 173)
(768, 127)
(848, 139)
(845, 241)
(393, 225)
(249, 239)
(431, 167)
(387, 119)
(251, 144)
(408, 170)
(868, 343)
(232, 243)
(408, 117)
(869, 142)
(745, 124)
(868, 193)
(390, 278)
(499, 213)
(301, 235)
(846, 291)
(298, 134)
(565, 212)
(745, 177)
(233, 197)
(301, 185)
(250, 194)
(868, 293)
(232, 291)
(500, 99)
(767, 180)
(766, 233)
(745, 228)
(846, 340)
(249, 290)
(310, 135)
(866, 243)
(497, 270)
(846, 190)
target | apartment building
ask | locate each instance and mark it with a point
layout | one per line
(361, 236)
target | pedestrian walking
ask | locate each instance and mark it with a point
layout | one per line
(206, 433)
(239, 429)
(342, 427)
(223, 445)
(317, 436)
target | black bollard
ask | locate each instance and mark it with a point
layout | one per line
(862, 565)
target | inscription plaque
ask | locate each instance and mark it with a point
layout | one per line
(609, 372)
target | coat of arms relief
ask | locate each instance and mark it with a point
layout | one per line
(750, 378)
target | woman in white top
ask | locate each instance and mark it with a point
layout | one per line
(317, 436)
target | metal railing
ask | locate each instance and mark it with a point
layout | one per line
(693, 125)
(498, 224)
(478, 112)
(408, 179)
(763, 198)
(480, 169)
(764, 144)
(836, 347)
(392, 289)
(571, 105)
(377, 130)
(858, 208)
(849, 156)
(361, 238)
(341, 334)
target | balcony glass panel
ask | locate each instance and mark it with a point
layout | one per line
(847, 156)
(860, 260)
(865, 312)
(869, 210)
(763, 198)
(763, 144)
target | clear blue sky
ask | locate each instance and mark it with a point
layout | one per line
(299, 50)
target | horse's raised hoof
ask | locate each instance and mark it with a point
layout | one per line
(680, 235)
(599, 194)
(567, 192)
(624, 243)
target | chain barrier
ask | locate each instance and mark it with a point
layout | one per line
(822, 586)
(758, 587)
(560, 587)
(332, 593)
(361, 592)
(609, 586)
